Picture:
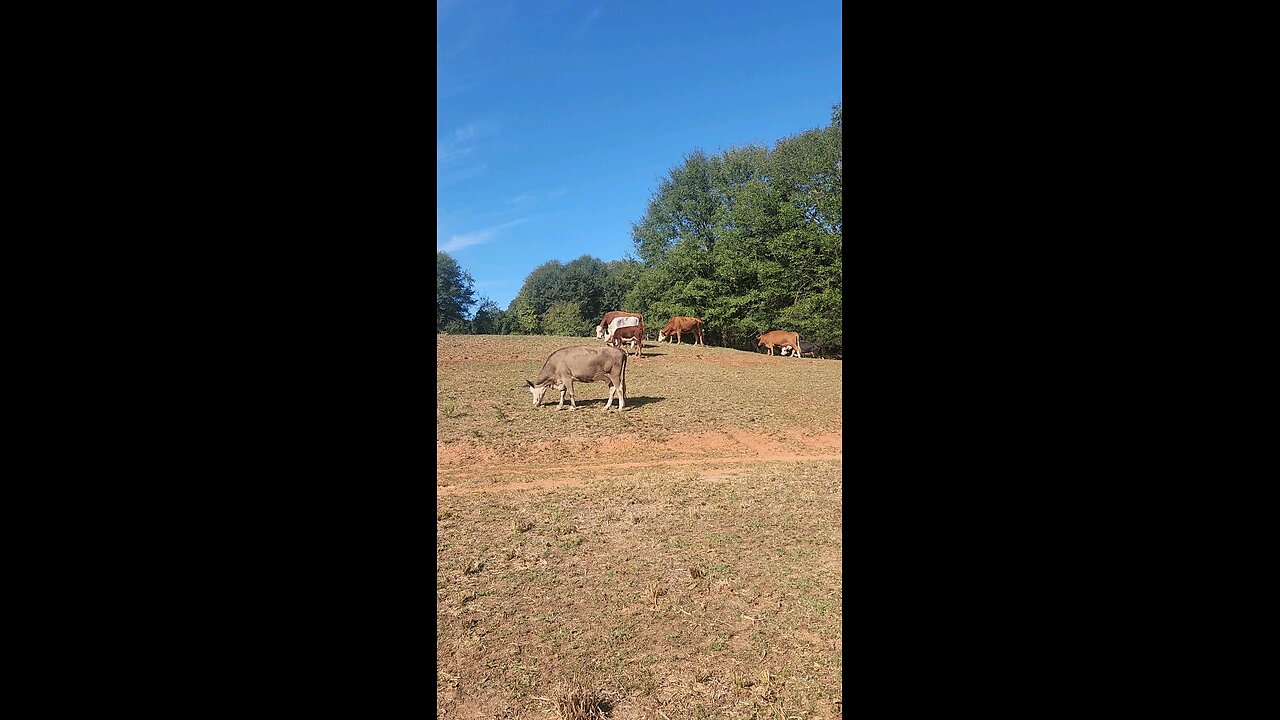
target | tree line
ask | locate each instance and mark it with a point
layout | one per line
(749, 240)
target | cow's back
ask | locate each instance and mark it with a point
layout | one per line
(576, 357)
(614, 314)
(781, 337)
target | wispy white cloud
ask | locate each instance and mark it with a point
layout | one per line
(457, 242)
(457, 144)
(477, 237)
(525, 201)
(595, 15)
(463, 143)
(456, 176)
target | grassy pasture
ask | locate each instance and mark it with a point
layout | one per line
(680, 559)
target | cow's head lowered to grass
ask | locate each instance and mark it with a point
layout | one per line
(539, 390)
(583, 363)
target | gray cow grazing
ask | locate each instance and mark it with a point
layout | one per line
(584, 363)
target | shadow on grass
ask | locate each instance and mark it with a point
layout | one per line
(639, 400)
(636, 401)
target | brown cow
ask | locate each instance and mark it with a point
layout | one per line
(584, 363)
(677, 325)
(603, 327)
(632, 332)
(778, 338)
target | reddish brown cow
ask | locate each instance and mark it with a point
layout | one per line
(633, 332)
(677, 325)
(603, 327)
(778, 338)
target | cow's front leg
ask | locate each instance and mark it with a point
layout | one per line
(571, 400)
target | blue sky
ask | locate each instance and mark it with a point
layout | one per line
(557, 119)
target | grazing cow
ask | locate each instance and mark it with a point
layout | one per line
(609, 317)
(806, 348)
(779, 338)
(626, 321)
(584, 363)
(677, 325)
(631, 333)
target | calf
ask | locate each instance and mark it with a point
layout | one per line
(779, 338)
(625, 334)
(584, 363)
(677, 325)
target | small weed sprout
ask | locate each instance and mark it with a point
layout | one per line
(655, 591)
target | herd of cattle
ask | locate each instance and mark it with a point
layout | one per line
(589, 363)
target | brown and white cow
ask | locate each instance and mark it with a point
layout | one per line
(614, 324)
(584, 363)
(779, 338)
(609, 317)
(677, 325)
(629, 333)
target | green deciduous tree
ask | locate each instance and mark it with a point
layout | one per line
(521, 318)
(489, 318)
(565, 318)
(586, 281)
(455, 294)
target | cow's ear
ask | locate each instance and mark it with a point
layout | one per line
(528, 384)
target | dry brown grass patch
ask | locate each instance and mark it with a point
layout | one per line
(576, 701)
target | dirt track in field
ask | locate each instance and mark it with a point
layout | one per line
(458, 468)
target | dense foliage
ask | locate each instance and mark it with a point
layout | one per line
(749, 240)
(455, 293)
